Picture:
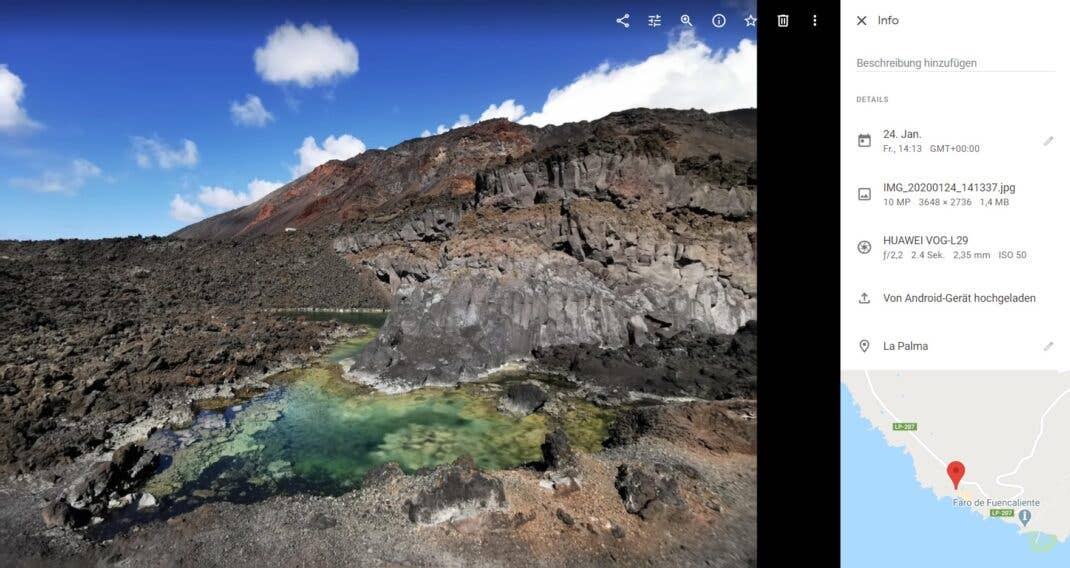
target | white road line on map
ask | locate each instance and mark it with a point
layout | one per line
(873, 391)
(1033, 451)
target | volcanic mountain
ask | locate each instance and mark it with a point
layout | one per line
(499, 241)
(445, 167)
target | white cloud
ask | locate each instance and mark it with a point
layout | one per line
(67, 180)
(185, 211)
(250, 113)
(259, 188)
(13, 117)
(221, 197)
(308, 56)
(149, 151)
(465, 120)
(686, 75)
(217, 199)
(462, 121)
(225, 199)
(334, 148)
(83, 169)
(508, 110)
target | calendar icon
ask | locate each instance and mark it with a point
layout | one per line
(864, 141)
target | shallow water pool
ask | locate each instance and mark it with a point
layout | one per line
(314, 432)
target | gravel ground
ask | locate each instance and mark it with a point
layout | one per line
(370, 527)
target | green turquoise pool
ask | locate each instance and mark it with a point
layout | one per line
(314, 432)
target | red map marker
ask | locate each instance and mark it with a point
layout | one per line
(955, 470)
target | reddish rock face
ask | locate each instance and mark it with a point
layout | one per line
(376, 182)
(264, 214)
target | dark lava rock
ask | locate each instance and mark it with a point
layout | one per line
(523, 398)
(319, 521)
(130, 464)
(556, 451)
(60, 514)
(648, 493)
(565, 517)
(718, 426)
(382, 474)
(92, 331)
(91, 489)
(456, 492)
(625, 230)
(134, 462)
(465, 461)
(499, 520)
(717, 366)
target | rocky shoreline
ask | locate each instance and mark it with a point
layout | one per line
(653, 497)
(607, 506)
(96, 331)
(666, 466)
(618, 254)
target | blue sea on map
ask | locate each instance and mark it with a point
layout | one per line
(889, 520)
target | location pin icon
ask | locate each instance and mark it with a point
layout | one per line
(1024, 515)
(864, 345)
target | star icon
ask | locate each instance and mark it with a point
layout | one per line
(752, 22)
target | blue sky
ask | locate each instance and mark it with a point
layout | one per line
(97, 100)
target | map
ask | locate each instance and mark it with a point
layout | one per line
(999, 436)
